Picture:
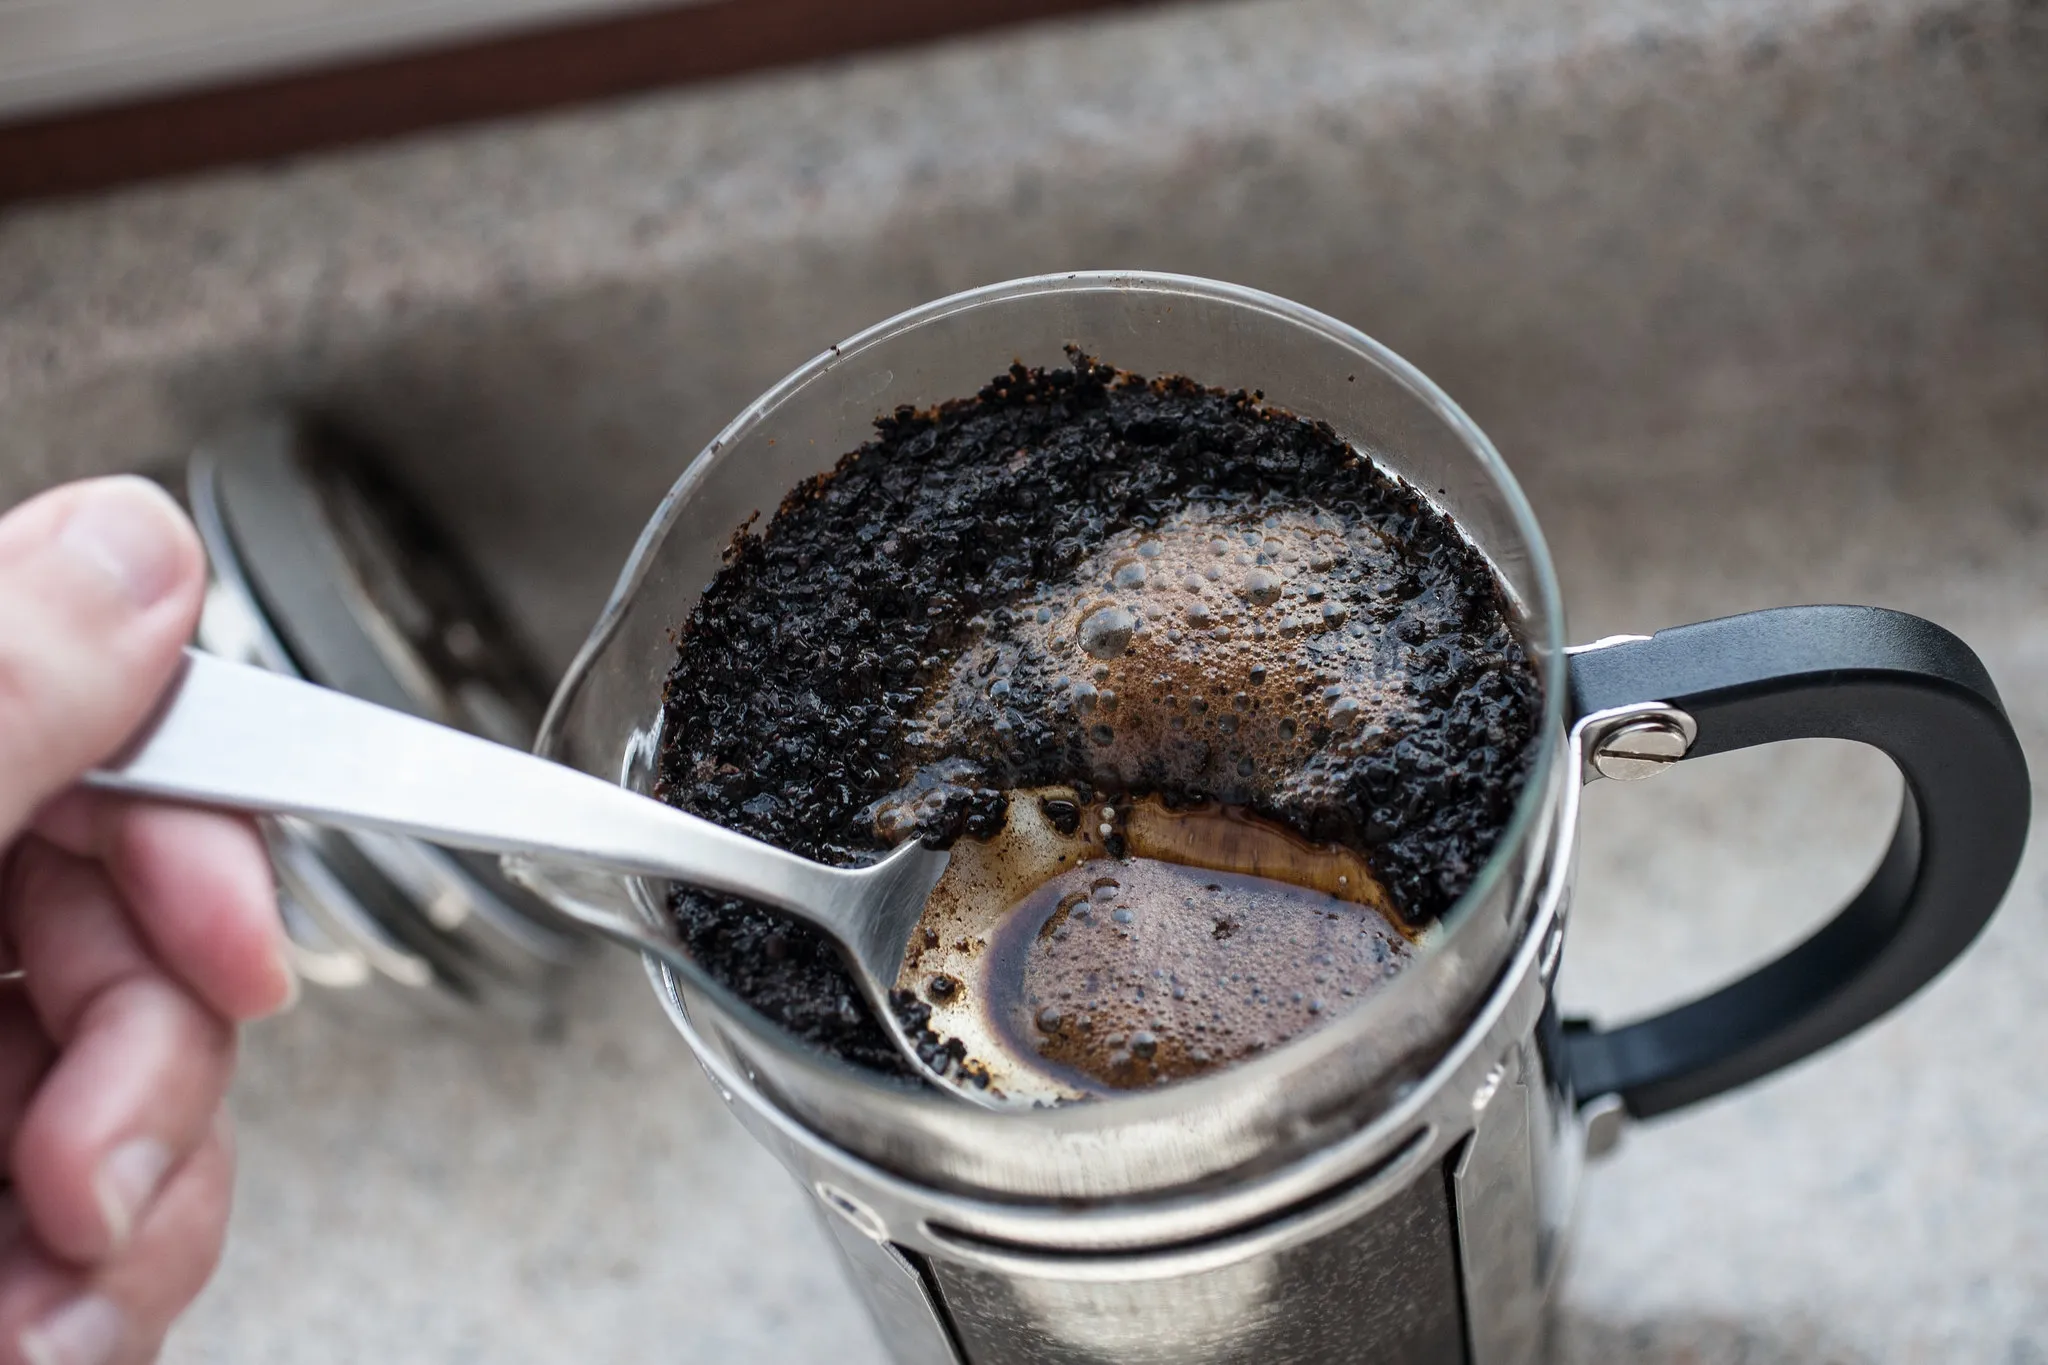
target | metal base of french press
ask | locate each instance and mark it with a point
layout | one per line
(1442, 1248)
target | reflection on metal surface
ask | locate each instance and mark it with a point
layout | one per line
(1379, 1289)
(1557, 1147)
(1628, 743)
(896, 1293)
(306, 873)
(1498, 1230)
(316, 955)
(1345, 1202)
(1604, 642)
(1641, 748)
(863, 1219)
(1606, 1118)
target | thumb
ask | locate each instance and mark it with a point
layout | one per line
(100, 585)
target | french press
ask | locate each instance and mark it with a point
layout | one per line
(1397, 1187)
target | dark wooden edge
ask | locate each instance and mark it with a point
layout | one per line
(540, 69)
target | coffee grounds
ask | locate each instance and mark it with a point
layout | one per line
(800, 708)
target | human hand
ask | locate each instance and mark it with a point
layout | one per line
(143, 934)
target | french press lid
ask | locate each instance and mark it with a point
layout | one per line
(321, 567)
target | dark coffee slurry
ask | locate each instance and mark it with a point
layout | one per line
(1101, 618)
(1145, 971)
(1065, 970)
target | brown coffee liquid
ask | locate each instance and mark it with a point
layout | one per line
(1069, 971)
(1143, 972)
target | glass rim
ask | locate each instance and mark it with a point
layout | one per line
(1545, 611)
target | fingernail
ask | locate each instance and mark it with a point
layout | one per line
(127, 528)
(127, 1180)
(88, 1330)
(293, 988)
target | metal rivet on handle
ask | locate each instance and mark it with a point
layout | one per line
(1640, 748)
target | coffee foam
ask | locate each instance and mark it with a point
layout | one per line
(1219, 651)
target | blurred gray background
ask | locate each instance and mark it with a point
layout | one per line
(1753, 294)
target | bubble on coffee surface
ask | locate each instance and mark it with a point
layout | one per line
(1105, 632)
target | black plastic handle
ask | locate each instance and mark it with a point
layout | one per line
(1886, 679)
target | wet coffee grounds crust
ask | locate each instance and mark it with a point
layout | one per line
(918, 632)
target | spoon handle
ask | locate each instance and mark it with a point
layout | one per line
(246, 739)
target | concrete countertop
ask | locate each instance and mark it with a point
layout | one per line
(1753, 294)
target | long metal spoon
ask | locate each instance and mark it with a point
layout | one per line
(241, 738)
